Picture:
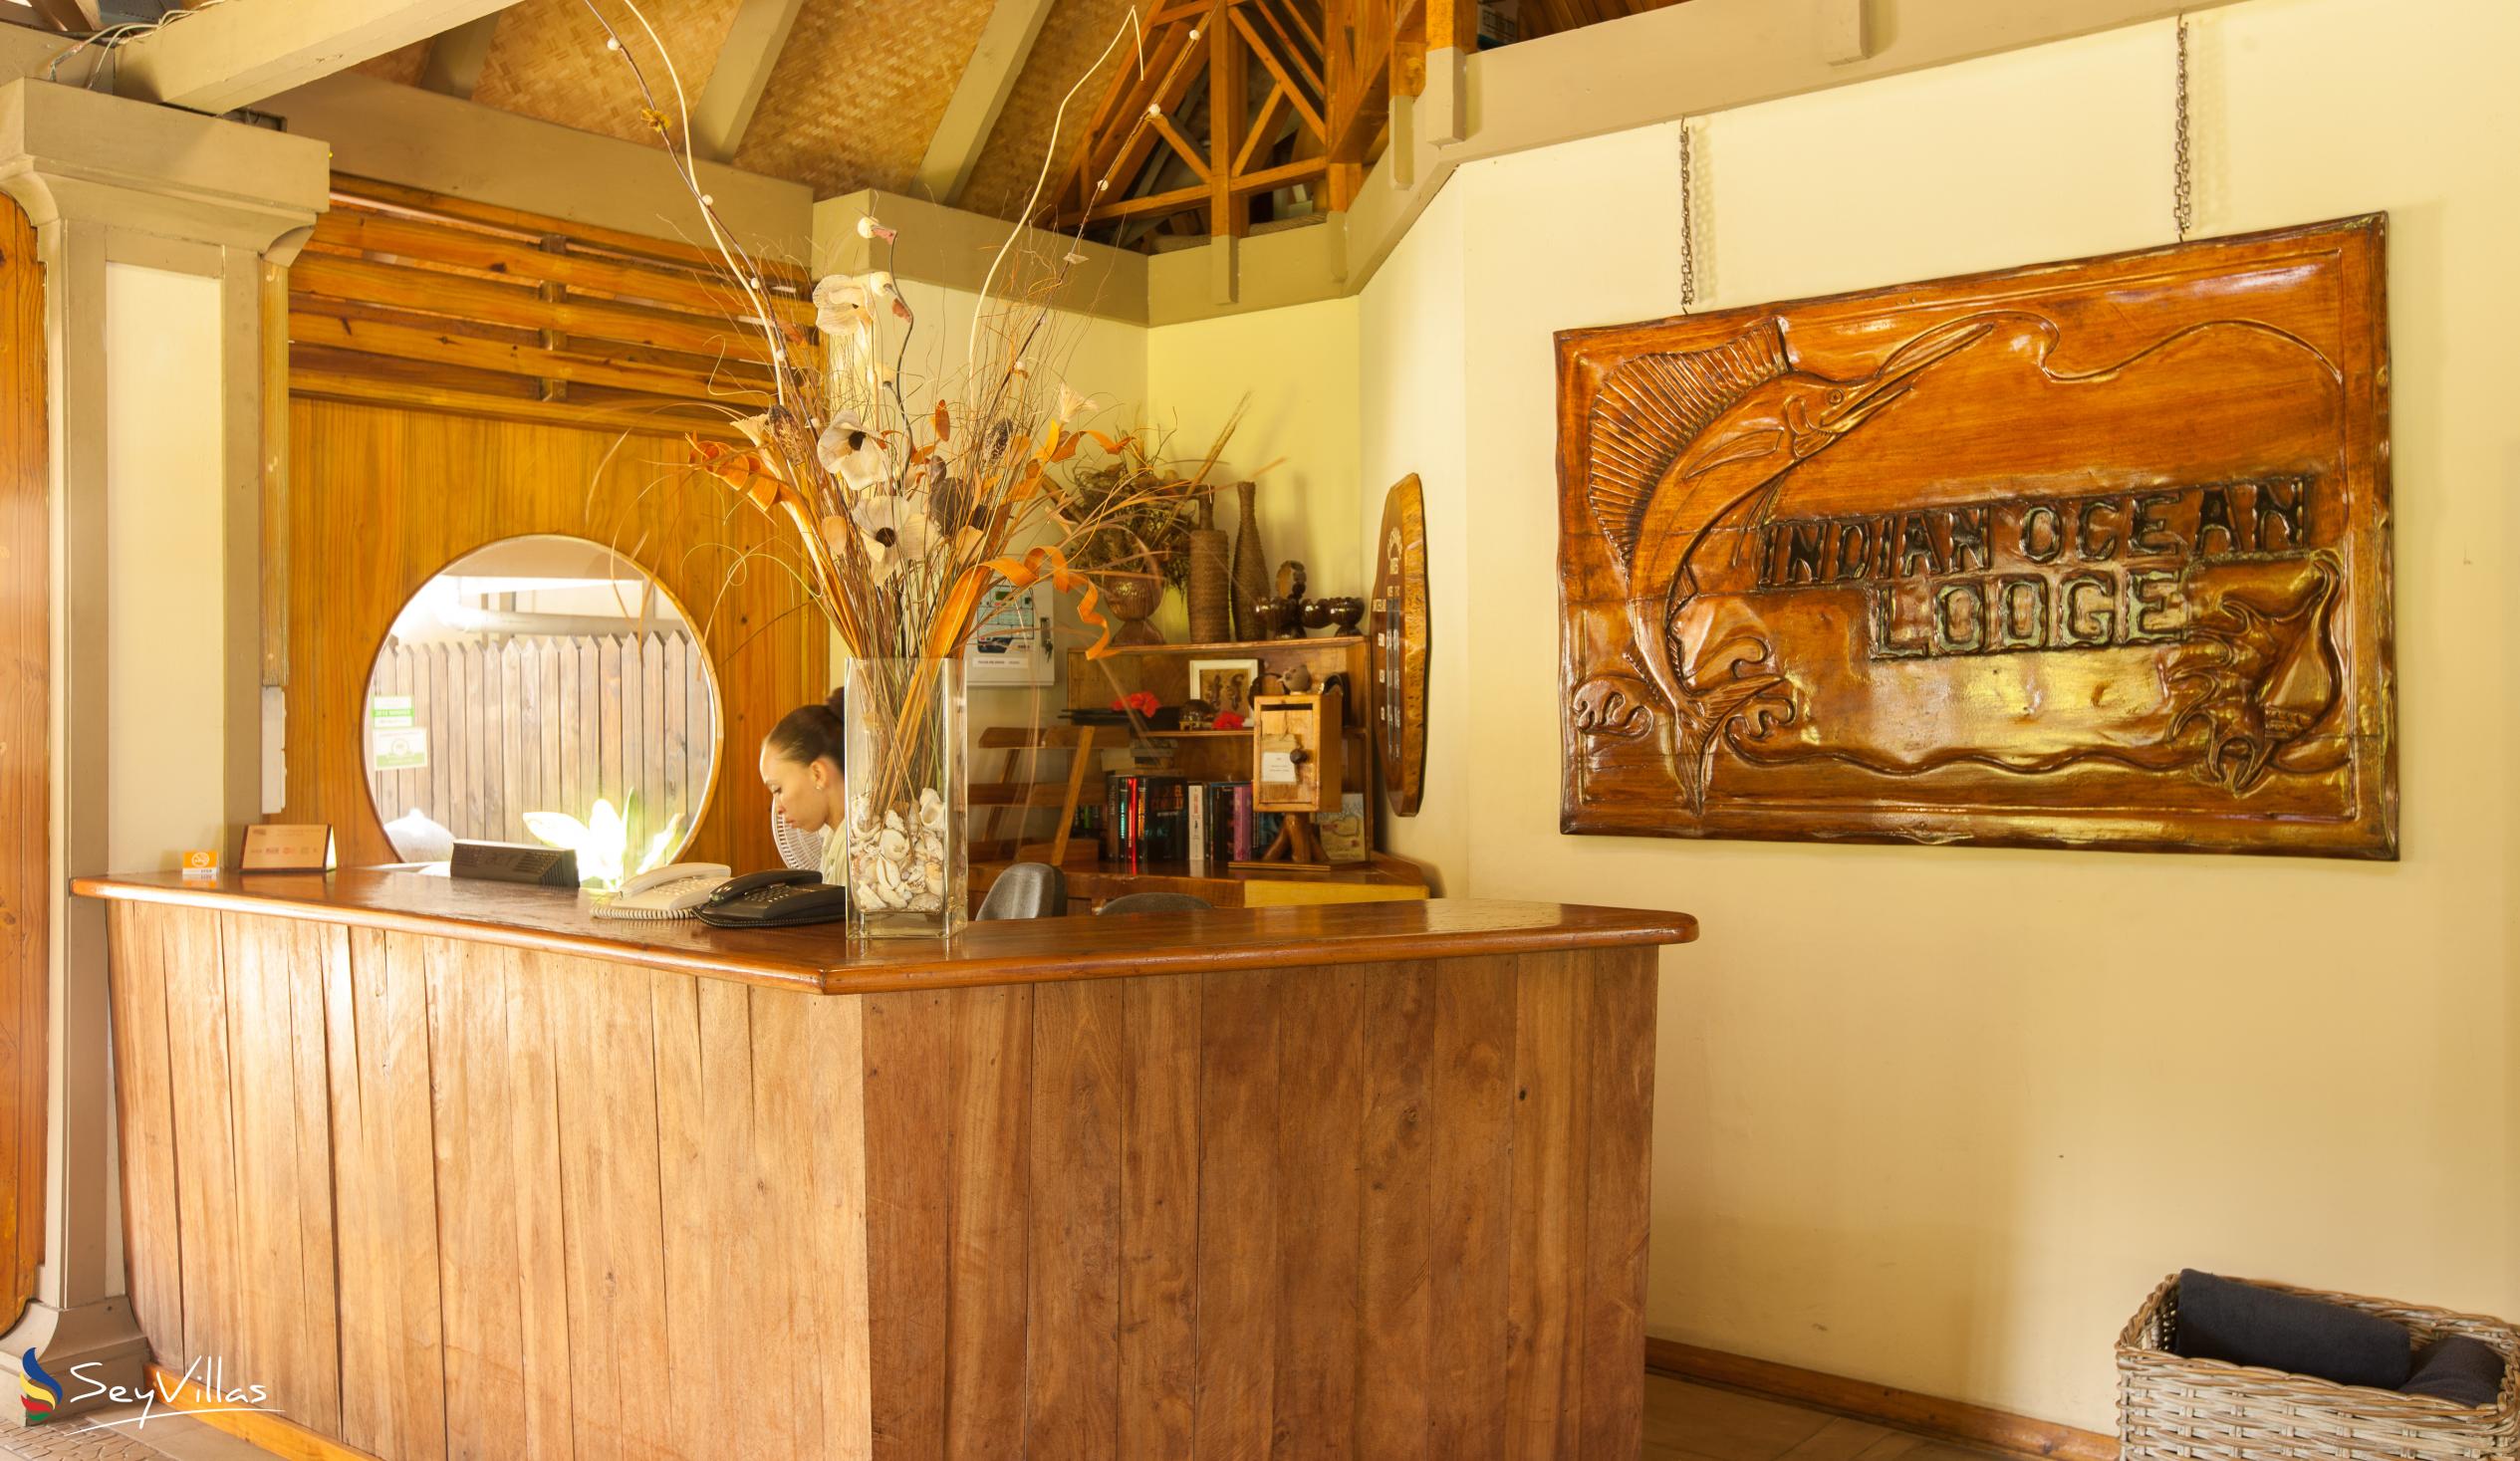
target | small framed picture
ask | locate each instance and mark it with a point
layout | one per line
(1225, 684)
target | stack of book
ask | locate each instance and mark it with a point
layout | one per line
(1168, 821)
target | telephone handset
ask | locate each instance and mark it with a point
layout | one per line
(774, 899)
(672, 892)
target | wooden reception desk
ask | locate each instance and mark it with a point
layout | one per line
(455, 1170)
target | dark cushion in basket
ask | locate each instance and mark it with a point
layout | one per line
(2458, 1370)
(2242, 1324)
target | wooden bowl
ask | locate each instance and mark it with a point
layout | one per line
(1132, 599)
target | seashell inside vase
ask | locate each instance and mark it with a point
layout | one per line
(1132, 599)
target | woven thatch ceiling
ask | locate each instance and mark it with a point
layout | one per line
(852, 98)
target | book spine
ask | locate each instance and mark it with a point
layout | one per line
(1199, 829)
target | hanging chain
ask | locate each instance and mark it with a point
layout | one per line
(1689, 223)
(2182, 174)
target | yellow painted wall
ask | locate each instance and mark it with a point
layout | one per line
(1940, 1118)
(1294, 372)
(165, 592)
(1412, 331)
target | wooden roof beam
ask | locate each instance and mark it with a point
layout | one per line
(996, 61)
(223, 57)
(725, 109)
(454, 60)
(71, 16)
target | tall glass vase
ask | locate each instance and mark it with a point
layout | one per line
(907, 796)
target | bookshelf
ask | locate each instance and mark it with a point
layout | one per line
(1213, 754)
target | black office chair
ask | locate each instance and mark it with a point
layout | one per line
(1026, 890)
(1157, 902)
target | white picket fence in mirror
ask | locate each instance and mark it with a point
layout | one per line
(539, 723)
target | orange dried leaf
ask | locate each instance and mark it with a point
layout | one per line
(944, 421)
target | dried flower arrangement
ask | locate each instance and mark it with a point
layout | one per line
(901, 515)
(1143, 527)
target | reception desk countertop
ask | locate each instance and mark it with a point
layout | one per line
(818, 958)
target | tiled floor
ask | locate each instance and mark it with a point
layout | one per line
(120, 1434)
(1687, 1422)
(1683, 1422)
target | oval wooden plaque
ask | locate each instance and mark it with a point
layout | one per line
(1399, 629)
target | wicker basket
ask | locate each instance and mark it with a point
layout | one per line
(2203, 1408)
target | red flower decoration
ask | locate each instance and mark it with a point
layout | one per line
(1144, 702)
(1228, 720)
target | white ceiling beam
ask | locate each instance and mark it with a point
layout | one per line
(724, 111)
(454, 66)
(986, 83)
(223, 57)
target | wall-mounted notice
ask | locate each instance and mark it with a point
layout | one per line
(403, 750)
(2093, 554)
(395, 741)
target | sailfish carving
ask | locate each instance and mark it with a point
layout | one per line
(1682, 443)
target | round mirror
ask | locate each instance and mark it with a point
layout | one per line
(536, 682)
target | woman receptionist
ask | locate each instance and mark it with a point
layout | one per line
(799, 766)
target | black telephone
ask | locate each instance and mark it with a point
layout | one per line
(773, 900)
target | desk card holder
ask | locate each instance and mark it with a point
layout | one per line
(533, 863)
(277, 846)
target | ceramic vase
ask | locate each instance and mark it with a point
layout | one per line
(1251, 571)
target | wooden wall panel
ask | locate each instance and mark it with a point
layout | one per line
(1618, 1047)
(1395, 1225)
(481, 1267)
(26, 887)
(380, 499)
(995, 1082)
(1239, 1032)
(1470, 1079)
(909, 1054)
(586, 1210)
(1545, 1244)
(198, 1065)
(145, 1122)
(1080, 1043)
(384, 1198)
(286, 1336)
(1321, 1130)
(1159, 1208)
(535, 1141)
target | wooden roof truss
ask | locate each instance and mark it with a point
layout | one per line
(1251, 110)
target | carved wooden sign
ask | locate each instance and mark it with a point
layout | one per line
(1400, 626)
(2093, 554)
